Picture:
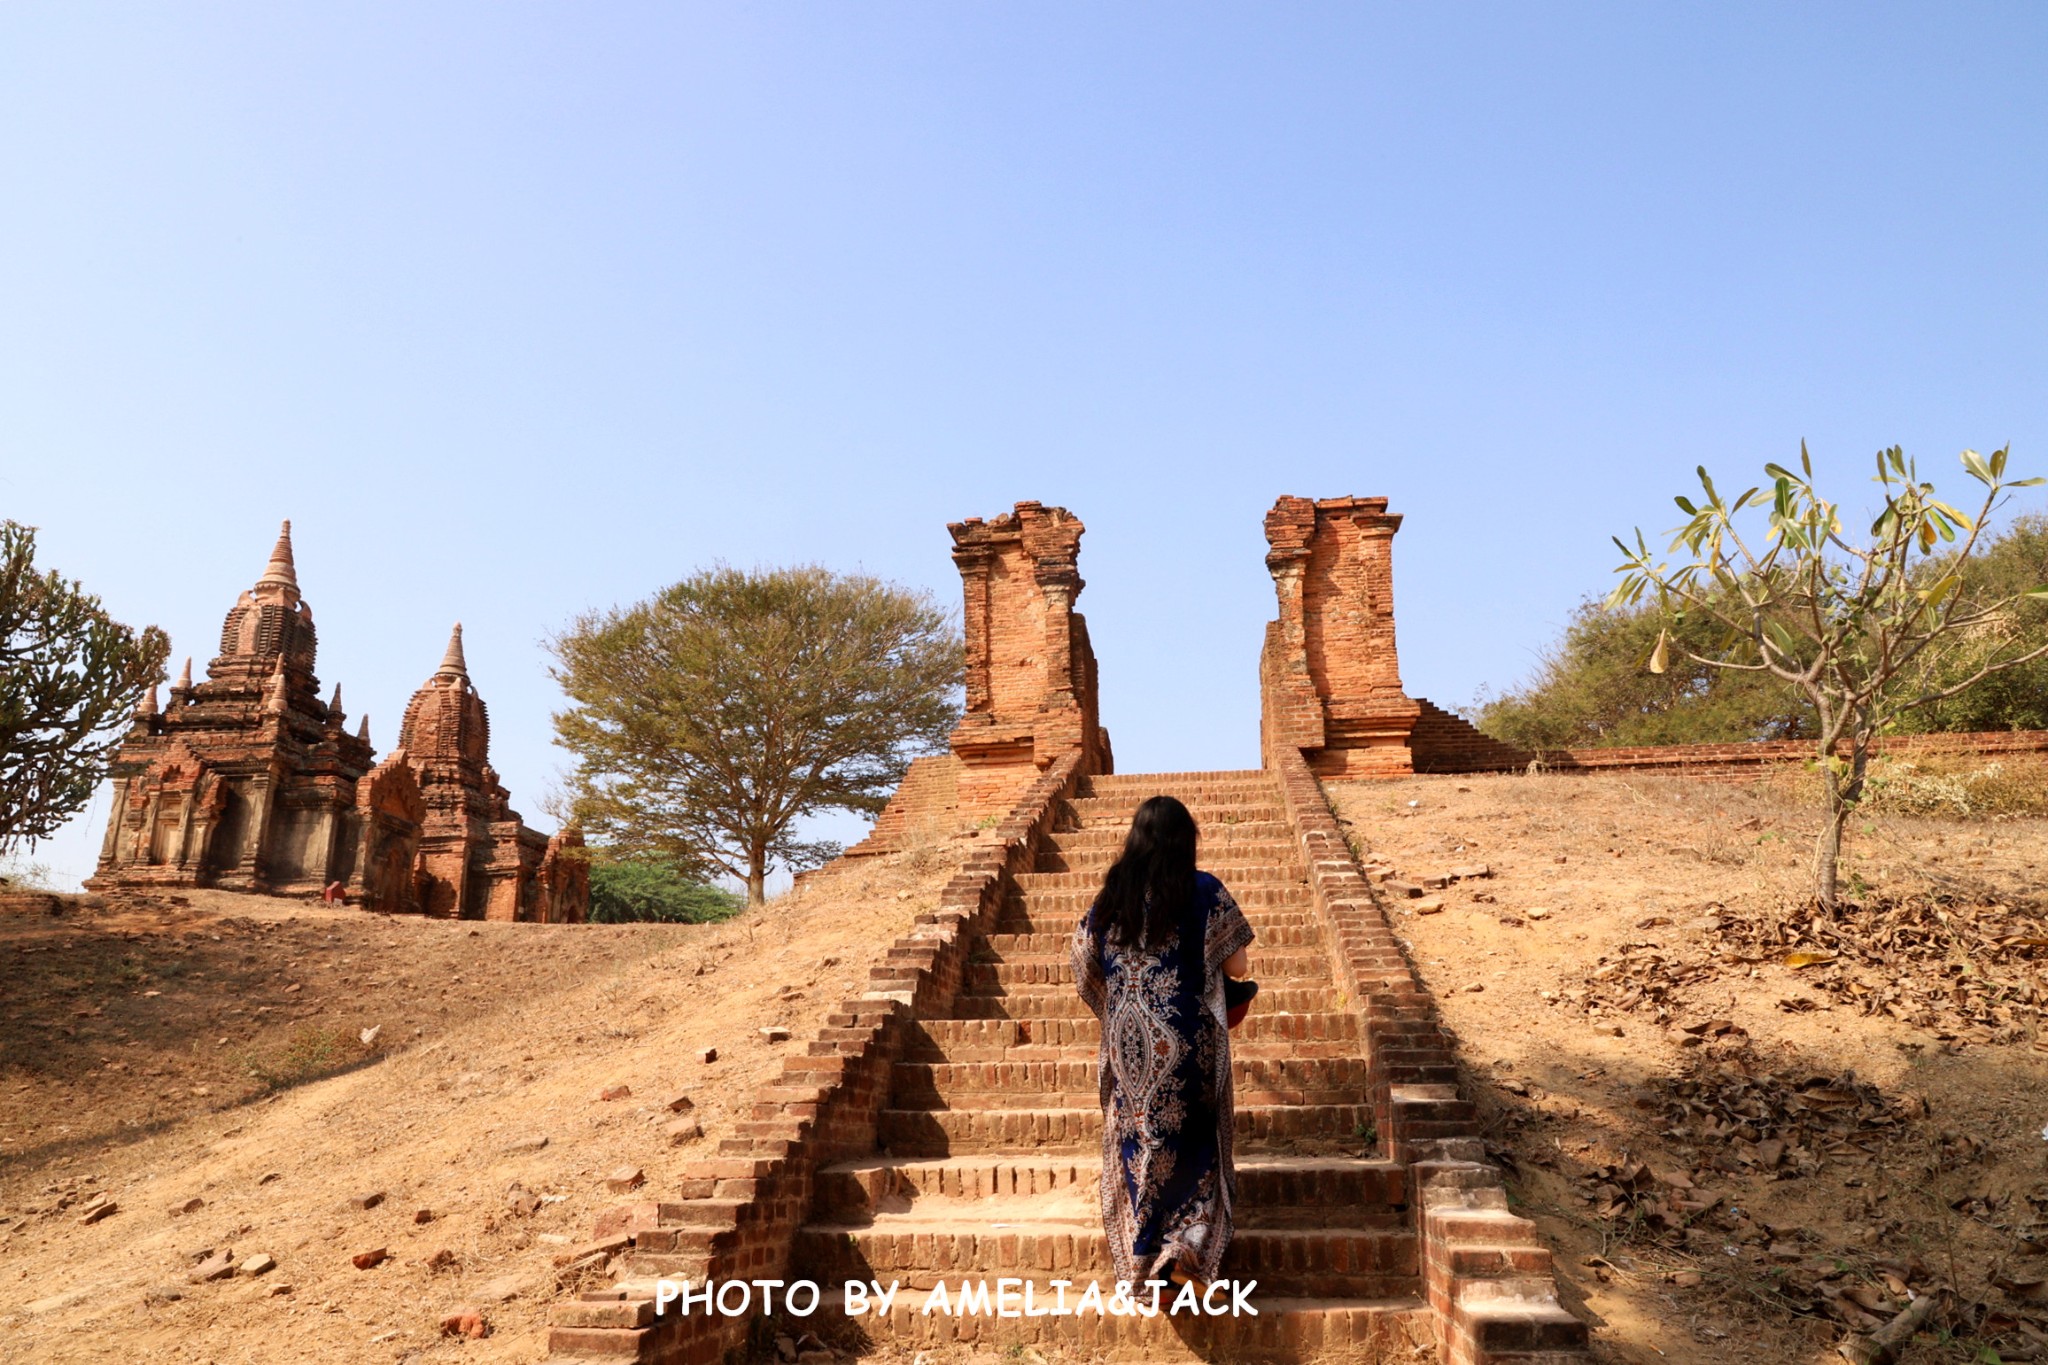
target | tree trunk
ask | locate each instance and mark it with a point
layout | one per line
(757, 874)
(1827, 852)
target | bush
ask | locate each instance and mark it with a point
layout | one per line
(636, 891)
(1592, 690)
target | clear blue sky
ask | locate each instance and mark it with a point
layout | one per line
(517, 309)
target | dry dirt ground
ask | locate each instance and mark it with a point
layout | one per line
(1737, 1158)
(1744, 1129)
(208, 1050)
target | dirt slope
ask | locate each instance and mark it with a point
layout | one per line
(1620, 913)
(491, 1037)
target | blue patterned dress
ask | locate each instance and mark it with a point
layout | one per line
(1167, 1178)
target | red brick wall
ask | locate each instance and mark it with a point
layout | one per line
(1030, 674)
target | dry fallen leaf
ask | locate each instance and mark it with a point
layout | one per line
(1808, 959)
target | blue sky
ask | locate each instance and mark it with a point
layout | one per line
(518, 309)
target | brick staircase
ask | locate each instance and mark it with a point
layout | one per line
(989, 1137)
(944, 1126)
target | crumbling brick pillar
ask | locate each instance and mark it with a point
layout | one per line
(1330, 675)
(1030, 672)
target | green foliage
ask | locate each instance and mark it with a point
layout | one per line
(708, 718)
(635, 891)
(70, 678)
(2014, 698)
(1592, 690)
(1867, 628)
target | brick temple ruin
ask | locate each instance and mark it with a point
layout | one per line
(249, 782)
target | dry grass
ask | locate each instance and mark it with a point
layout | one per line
(1955, 785)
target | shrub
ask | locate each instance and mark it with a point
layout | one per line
(637, 890)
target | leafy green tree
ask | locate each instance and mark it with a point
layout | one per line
(70, 679)
(708, 718)
(1868, 630)
(2015, 697)
(1592, 691)
(635, 890)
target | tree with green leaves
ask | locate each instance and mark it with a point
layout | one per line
(637, 890)
(1867, 629)
(1591, 690)
(707, 719)
(70, 679)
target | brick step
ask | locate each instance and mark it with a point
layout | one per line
(1306, 1129)
(1219, 838)
(1053, 1002)
(1150, 783)
(1232, 875)
(1230, 866)
(982, 1085)
(1009, 947)
(1021, 919)
(1286, 1331)
(983, 1039)
(1272, 1191)
(1274, 895)
(1232, 808)
(1167, 782)
(1274, 970)
(995, 1239)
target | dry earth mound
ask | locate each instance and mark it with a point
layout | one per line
(197, 1065)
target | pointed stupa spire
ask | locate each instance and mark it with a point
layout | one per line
(281, 571)
(146, 704)
(363, 730)
(184, 676)
(334, 702)
(452, 663)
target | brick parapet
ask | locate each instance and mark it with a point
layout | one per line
(1751, 758)
(1486, 1275)
(736, 1213)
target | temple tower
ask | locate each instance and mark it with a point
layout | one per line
(477, 859)
(246, 780)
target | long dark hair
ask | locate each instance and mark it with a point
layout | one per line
(1153, 879)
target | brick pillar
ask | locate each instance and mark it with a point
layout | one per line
(1330, 675)
(1030, 674)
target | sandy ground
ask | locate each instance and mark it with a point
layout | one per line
(211, 1050)
(1642, 907)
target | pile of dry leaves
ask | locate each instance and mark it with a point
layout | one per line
(1942, 963)
(1971, 972)
(1739, 1116)
(1643, 977)
(1726, 1123)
